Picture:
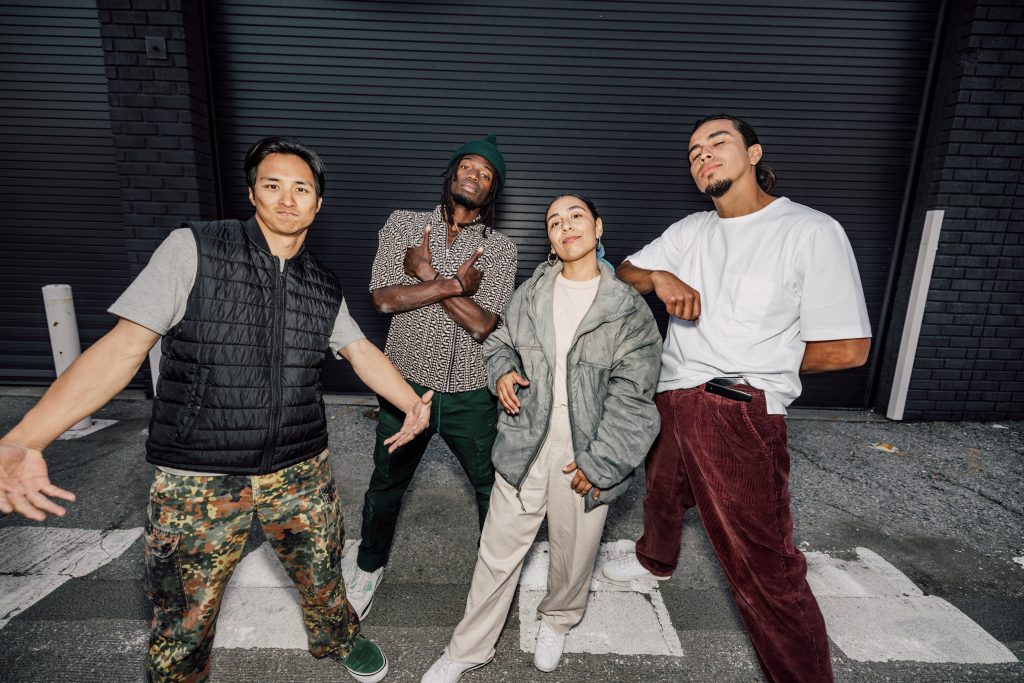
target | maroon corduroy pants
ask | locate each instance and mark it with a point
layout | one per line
(729, 458)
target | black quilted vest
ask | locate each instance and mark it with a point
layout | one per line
(239, 389)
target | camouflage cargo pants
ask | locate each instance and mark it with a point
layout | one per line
(196, 530)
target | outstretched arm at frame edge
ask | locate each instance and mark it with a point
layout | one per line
(89, 383)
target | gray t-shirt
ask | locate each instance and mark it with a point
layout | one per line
(158, 297)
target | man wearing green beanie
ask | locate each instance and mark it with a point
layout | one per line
(445, 276)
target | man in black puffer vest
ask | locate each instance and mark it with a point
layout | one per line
(238, 426)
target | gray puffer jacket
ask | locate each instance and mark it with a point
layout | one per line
(611, 373)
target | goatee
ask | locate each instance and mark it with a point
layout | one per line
(466, 202)
(718, 188)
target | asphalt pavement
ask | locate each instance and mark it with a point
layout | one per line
(914, 534)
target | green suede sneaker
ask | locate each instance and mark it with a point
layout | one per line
(365, 662)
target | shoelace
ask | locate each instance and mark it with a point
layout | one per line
(623, 562)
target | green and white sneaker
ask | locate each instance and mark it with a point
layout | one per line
(365, 662)
(360, 592)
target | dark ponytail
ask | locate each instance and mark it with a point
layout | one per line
(766, 176)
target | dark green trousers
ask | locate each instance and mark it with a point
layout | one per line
(468, 423)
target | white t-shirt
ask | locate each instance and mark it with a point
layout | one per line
(572, 299)
(769, 282)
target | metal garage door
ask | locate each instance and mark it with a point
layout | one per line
(592, 96)
(61, 216)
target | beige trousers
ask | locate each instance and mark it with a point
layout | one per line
(508, 534)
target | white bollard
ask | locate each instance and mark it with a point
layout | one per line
(63, 327)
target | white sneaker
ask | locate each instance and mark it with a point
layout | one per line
(447, 670)
(360, 591)
(628, 568)
(548, 650)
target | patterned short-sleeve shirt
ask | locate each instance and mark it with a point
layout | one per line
(426, 345)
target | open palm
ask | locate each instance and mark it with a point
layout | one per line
(25, 485)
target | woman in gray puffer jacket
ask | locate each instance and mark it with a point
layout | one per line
(574, 365)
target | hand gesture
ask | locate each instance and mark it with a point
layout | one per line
(506, 388)
(24, 484)
(416, 420)
(680, 299)
(470, 275)
(417, 259)
(580, 484)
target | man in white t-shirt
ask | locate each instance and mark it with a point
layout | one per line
(759, 290)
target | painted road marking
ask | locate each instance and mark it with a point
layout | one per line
(875, 613)
(261, 606)
(37, 560)
(620, 619)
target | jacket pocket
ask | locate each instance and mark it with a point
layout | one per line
(587, 379)
(193, 404)
(318, 395)
(164, 586)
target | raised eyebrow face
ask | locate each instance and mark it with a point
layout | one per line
(716, 134)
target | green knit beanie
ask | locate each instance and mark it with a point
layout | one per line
(487, 147)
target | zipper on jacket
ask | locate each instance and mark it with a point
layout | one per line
(551, 408)
(568, 400)
(276, 351)
(547, 429)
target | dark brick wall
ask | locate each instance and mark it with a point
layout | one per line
(159, 118)
(970, 357)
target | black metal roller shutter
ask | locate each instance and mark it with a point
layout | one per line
(597, 97)
(61, 215)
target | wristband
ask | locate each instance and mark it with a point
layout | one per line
(459, 280)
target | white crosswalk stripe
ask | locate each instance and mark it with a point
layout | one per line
(260, 606)
(627, 619)
(872, 610)
(875, 613)
(38, 560)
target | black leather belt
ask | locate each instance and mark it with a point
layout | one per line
(722, 386)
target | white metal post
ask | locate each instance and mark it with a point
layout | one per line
(915, 313)
(63, 327)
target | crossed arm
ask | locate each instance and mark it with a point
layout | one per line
(683, 302)
(454, 294)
